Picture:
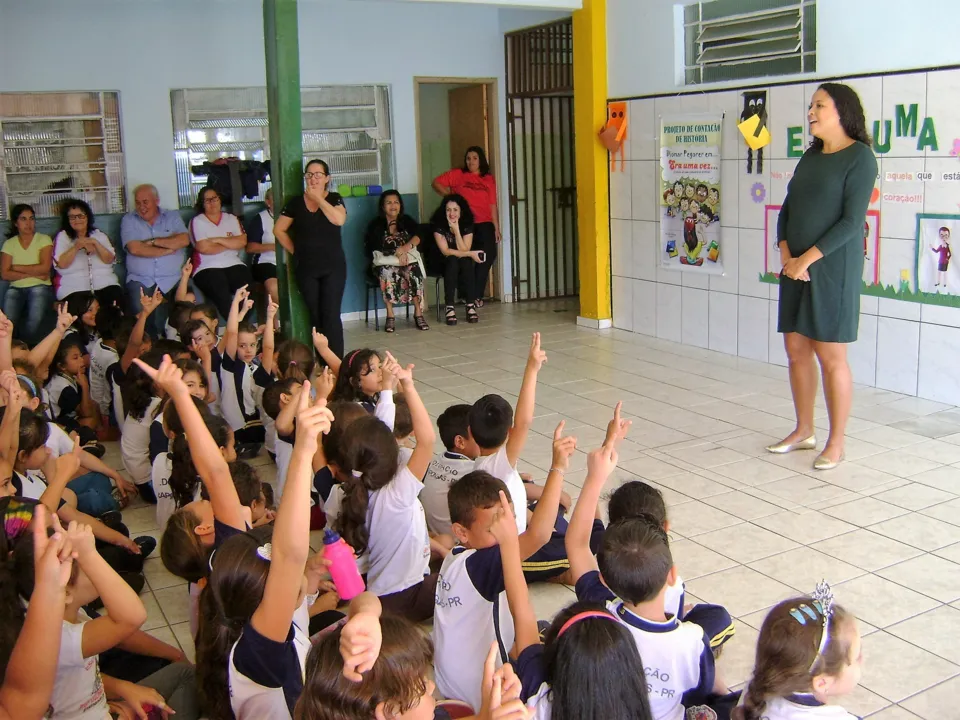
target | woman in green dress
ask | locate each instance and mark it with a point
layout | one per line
(820, 236)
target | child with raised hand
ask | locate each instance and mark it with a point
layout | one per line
(329, 357)
(253, 633)
(471, 608)
(363, 378)
(497, 435)
(588, 668)
(242, 383)
(808, 655)
(630, 576)
(381, 512)
(69, 389)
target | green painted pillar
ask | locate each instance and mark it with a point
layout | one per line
(282, 46)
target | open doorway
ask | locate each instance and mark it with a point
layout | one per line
(451, 115)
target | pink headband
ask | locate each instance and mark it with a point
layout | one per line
(351, 357)
(583, 616)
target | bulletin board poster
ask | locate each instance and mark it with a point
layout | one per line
(690, 193)
(938, 266)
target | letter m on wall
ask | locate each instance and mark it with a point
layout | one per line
(907, 120)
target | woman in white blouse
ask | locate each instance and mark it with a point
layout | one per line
(84, 257)
(218, 269)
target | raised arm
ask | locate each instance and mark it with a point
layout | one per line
(600, 463)
(10, 425)
(360, 638)
(422, 424)
(148, 304)
(290, 543)
(442, 184)
(288, 412)
(504, 529)
(322, 346)
(183, 287)
(336, 214)
(207, 458)
(523, 417)
(544, 517)
(240, 297)
(42, 354)
(281, 231)
(269, 344)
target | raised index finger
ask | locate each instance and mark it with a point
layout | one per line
(558, 433)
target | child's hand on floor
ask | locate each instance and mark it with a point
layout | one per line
(501, 691)
(563, 448)
(617, 428)
(64, 318)
(601, 463)
(504, 527)
(537, 357)
(360, 641)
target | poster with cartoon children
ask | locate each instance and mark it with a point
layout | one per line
(938, 236)
(690, 193)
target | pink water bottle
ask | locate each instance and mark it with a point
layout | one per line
(343, 569)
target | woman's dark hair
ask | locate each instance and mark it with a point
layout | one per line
(397, 679)
(198, 206)
(439, 217)
(184, 480)
(317, 161)
(378, 226)
(295, 360)
(348, 379)
(66, 345)
(787, 658)
(371, 458)
(484, 165)
(34, 431)
(227, 603)
(75, 204)
(594, 669)
(383, 201)
(138, 389)
(850, 109)
(15, 214)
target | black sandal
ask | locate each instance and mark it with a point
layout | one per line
(479, 302)
(390, 325)
(472, 316)
(421, 322)
(451, 315)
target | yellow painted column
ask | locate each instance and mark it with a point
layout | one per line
(593, 199)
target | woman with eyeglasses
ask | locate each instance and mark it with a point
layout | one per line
(218, 238)
(314, 220)
(84, 256)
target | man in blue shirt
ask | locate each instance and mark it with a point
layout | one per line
(154, 240)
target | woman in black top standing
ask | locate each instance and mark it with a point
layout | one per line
(320, 265)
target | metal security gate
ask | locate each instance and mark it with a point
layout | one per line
(542, 173)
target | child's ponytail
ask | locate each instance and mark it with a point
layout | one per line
(295, 360)
(184, 480)
(352, 521)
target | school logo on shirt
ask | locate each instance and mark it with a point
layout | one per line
(701, 712)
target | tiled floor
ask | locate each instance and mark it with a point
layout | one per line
(749, 529)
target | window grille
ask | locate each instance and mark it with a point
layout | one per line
(59, 145)
(742, 39)
(348, 126)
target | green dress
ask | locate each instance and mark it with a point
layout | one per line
(826, 206)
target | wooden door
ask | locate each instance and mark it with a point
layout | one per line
(468, 121)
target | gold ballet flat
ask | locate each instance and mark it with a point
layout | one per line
(783, 448)
(824, 463)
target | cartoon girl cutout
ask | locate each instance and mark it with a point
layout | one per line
(866, 238)
(678, 189)
(694, 209)
(943, 262)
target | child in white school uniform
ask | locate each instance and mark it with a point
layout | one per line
(808, 655)
(447, 467)
(471, 607)
(362, 378)
(630, 575)
(141, 400)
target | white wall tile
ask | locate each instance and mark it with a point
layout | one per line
(940, 315)
(898, 219)
(902, 90)
(622, 303)
(898, 309)
(621, 248)
(896, 255)
(777, 353)
(753, 328)
(752, 214)
(695, 325)
(943, 89)
(940, 196)
(642, 131)
(898, 351)
(938, 378)
(644, 189)
(645, 307)
(666, 276)
(621, 198)
(730, 104)
(729, 194)
(862, 355)
(781, 172)
(645, 243)
(730, 258)
(669, 309)
(786, 107)
(699, 280)
(869, 305)
(870, 90)
(751, 264)
(723, 322)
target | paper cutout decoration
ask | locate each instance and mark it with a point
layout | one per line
(753, 127)
(614, 133)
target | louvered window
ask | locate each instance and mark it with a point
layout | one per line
(59, 145)
(348, 126)
(742, 39)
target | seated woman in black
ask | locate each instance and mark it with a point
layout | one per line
(393, 234)
(453, 231)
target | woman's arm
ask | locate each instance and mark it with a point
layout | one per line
(231, 242)
(6, 269)
(445, 249)
(106, 254)
(66, 258)
(290, 544)
(41, 269)
(442, 184)
(280, 232)
(337, 214)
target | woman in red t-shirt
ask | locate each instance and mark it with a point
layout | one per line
(475, 183)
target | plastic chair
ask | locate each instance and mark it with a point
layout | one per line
(373, 285)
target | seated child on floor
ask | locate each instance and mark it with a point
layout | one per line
(362, 379)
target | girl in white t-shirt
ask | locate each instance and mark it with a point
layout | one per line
(808, 654)
(254, 639)
(141, 402)
(380, 511)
